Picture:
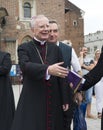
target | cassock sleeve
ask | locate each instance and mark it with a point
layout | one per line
(95, 74)
(33, 70)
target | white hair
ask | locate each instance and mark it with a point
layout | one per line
(34, 20)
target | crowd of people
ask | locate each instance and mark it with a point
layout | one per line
(87, 64)
(47, 101)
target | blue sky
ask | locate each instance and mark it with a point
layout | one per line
(93, 18)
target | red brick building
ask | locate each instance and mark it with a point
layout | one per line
(16, 28)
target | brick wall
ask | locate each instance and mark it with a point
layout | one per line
(74, 32)
(53, 9)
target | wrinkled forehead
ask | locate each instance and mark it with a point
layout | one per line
(41, 21)
(53, 26)
(38, 20)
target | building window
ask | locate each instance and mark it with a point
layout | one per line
(27, 10)
(89, 50)
(75, 23)
(95, 48)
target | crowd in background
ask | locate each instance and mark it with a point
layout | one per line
(47, 101)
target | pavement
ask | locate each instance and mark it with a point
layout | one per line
(92, 124)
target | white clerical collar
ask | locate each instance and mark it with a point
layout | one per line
(57, 43)
(41, 42)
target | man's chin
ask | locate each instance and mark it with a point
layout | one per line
(44, 39)
(52, 41)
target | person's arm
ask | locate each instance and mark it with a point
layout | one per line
(89, 67)
(37, 70)
(94, 75)
(75, 63)
(81, 58)
(5, 65)
(83, 66)
(34, 70)
(57, 70)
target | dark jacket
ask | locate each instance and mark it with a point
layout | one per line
(67, 56)
(7, 107)
(40, 104)
(66, 53)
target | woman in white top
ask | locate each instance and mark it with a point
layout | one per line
(98, 88)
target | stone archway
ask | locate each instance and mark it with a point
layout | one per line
(26, 39)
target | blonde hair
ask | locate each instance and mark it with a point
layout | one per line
(98, 50)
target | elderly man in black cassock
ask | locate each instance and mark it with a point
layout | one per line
(43, 98)
(7, 106)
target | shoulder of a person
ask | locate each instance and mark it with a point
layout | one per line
(4, 53)
(65, 45)
(25, 44)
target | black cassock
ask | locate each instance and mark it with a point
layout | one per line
(7, 106)
(40, 103)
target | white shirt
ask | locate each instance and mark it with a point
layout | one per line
(75, 61)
